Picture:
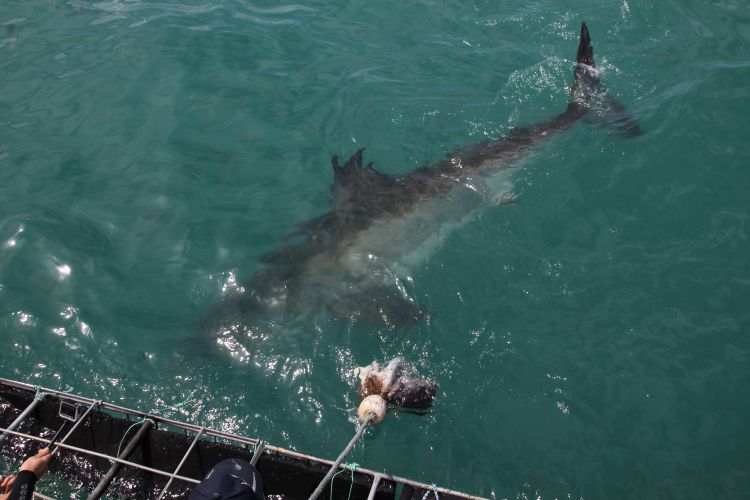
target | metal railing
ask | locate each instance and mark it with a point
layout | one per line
(121, 460)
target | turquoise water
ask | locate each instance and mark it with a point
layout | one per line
(590, 340)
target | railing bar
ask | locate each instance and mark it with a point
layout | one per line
(231, 437)
(20, 418)
(374, 487)
(258, 453)
(127, 411)
(75, 426)
(105, 481)
(106, 457)
(179, 466)
(43, 497)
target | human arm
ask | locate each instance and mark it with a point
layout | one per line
(29, 473)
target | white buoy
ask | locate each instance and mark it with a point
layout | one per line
(372, 404)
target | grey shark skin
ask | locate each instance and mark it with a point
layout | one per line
(349, 261)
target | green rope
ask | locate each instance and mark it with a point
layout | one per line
(39, 394)
(173, 407)
(128, 430)
(183, 403)
(344, 467)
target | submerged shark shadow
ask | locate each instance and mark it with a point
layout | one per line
(348, 262)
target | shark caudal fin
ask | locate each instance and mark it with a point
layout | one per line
(588, 92)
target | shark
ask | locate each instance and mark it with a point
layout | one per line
(352, 262)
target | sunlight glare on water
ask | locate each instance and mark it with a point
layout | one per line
(588, 321)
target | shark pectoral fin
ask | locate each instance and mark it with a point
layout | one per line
(505, 199)
(588, 94)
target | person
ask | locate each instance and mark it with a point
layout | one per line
(21, 487)
(231, 479)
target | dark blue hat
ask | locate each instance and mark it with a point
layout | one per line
(231, 479)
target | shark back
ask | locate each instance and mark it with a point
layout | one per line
(349, 262)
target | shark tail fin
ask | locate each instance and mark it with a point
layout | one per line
(589, 93)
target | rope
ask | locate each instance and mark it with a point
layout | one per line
(128, 430)
(183, 403)
(341, 458)
(344, 467)
(138, 422)
(434, 491)
(39, 393)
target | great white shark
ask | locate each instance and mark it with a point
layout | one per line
(349, 261)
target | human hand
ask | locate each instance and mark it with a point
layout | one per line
(38, 463)
(6, 484)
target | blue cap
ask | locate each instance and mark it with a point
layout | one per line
(231, 479)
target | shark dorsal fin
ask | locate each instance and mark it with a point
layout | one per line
(354, 178)
(354, 205)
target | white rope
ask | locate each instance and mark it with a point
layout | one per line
(433, 490)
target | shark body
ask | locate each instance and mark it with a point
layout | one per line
(349, 261)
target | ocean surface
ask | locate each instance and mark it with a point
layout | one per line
(590, 339)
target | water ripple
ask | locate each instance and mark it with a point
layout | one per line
(153, 152)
